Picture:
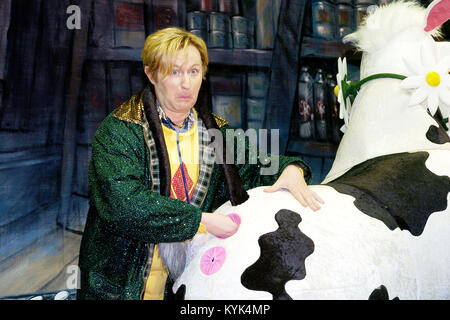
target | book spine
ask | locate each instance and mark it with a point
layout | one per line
(102, 35)
(129, 26)
(257, 86)
(267, 13)
(165, 13)
(227, 98)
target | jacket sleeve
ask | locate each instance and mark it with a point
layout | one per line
(124, 201)
(259, 168)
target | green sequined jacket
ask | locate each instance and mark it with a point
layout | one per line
(128, 212)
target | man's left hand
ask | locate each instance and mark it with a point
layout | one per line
(292, 179)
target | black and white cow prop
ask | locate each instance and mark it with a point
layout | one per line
(384, 230)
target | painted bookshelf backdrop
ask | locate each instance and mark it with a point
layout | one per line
(57, 85)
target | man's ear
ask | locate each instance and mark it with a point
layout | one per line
(149, 75)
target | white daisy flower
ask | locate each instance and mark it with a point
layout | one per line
(430, 79)
(344, 105)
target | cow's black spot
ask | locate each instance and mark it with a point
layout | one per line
(437, 135)
(397, 189)
(181, 292)
(170, 295)
(380, 293)
(283, 254)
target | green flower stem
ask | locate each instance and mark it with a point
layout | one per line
(351, 89)
(444, 120)
(378, 76)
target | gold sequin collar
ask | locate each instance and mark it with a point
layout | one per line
(131, 110)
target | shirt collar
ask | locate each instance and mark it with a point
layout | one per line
(190, 119)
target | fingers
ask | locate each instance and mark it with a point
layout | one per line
(317, 197)
(307, 197)
(312, 203)
(314, 199)
(298, 195)
(219, 225)
(230, 228)
(273, 188)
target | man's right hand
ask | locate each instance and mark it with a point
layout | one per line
(219, 225)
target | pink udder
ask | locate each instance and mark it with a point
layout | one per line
(212, 260)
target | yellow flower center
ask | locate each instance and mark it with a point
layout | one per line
(336, 90)
(433, 79)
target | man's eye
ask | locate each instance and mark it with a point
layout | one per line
(175, 72)
(194, 71)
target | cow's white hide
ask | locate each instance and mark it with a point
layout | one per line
(353, 253)
(382, 122)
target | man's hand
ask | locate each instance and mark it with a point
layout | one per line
(292, 179)
(219, 225)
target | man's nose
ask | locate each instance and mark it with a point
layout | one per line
(186, 81)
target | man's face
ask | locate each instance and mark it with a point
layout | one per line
(177, 93)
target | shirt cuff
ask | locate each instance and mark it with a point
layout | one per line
(299, 168)
(201, 228)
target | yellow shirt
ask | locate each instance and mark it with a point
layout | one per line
(156, 281)
(189, 149)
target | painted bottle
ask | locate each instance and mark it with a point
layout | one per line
(305, 104)
(320, 108)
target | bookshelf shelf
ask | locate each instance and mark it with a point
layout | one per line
(311, 47)
(114, 54)
(312, 148)
(319, 48)
(233, 57)
(241, 57)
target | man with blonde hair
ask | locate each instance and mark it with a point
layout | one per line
(150, 181)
